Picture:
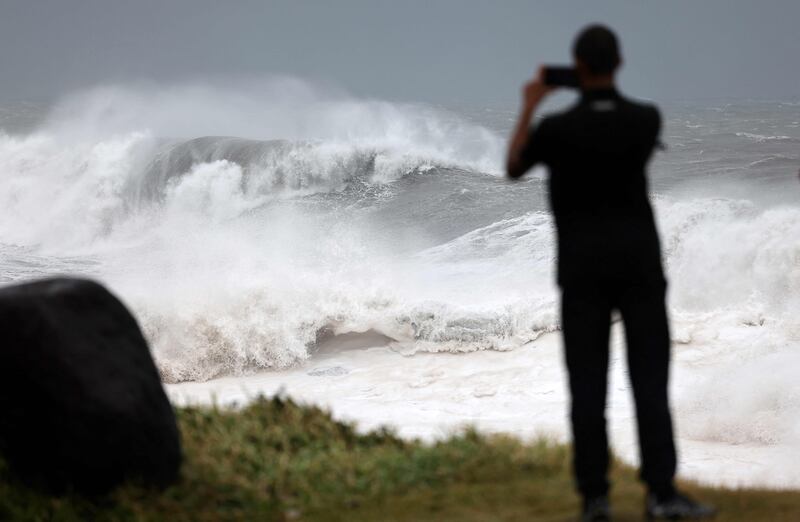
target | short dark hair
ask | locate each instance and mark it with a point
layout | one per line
(597, 47)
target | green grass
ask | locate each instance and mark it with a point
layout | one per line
(276, 460)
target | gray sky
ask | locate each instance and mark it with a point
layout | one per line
(434, 51)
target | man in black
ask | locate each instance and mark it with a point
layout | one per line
(608, 258)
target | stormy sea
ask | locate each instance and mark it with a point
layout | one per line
(369, 256)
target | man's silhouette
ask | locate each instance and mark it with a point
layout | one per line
(608, 258)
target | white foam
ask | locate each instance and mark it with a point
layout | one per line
(522, 392)
(760, 138)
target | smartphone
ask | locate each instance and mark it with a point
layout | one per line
(561, 76)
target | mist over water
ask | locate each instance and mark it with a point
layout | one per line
(243, 223)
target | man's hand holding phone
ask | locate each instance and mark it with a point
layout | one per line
(536, 89)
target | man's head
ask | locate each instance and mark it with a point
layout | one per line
(597, 56)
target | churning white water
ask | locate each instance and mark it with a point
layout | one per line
(246, 226)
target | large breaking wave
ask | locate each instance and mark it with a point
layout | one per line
(236, 252)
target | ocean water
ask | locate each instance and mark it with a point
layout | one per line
(248, 225)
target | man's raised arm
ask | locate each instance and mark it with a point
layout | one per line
(519, 160)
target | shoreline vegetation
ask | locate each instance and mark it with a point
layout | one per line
(277, 460)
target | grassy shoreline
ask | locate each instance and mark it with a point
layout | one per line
(276, 460)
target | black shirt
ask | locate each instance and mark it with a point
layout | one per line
(596, 153)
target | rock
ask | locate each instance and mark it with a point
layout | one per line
(81, 404)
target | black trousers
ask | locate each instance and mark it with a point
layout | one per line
(586, 317)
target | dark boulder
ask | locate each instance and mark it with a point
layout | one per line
(82, 407)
